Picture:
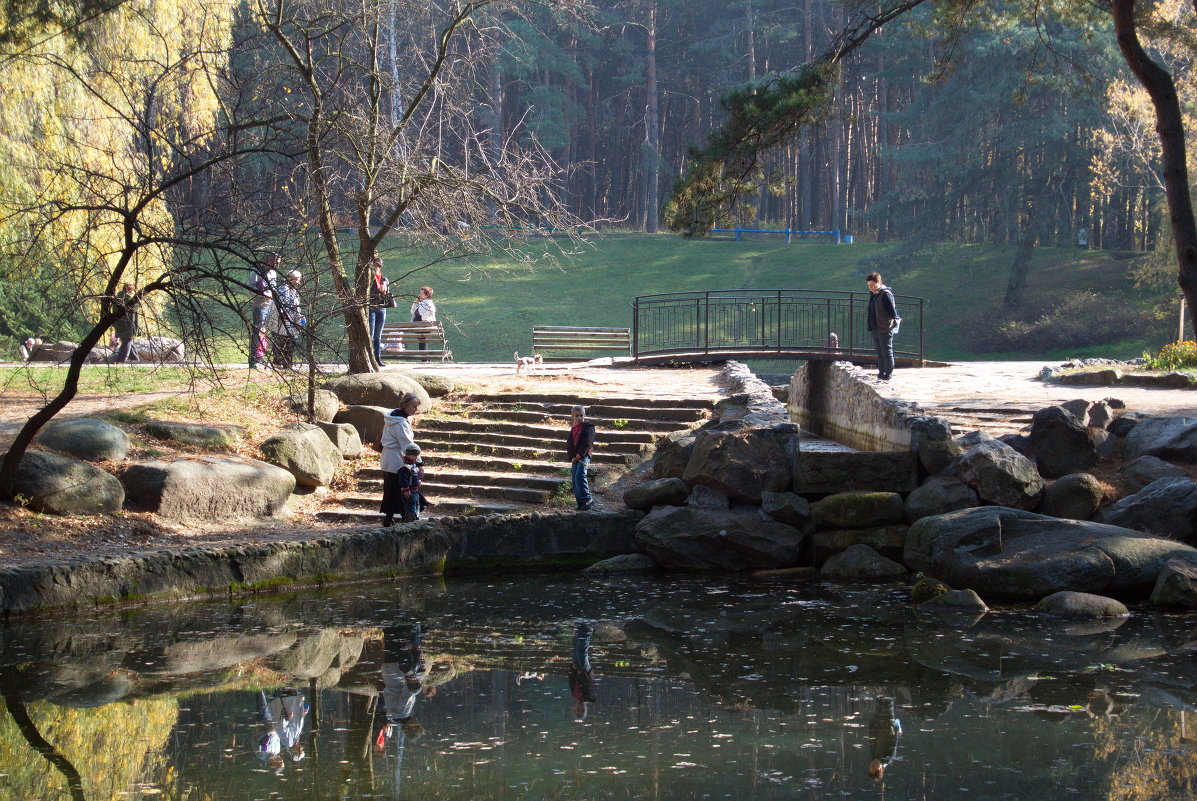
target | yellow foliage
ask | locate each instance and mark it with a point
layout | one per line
(113, 747)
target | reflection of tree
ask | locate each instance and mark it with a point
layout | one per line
(29, 731)
(1153, 758)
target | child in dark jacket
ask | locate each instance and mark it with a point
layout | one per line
(410, 474)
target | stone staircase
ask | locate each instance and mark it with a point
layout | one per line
(992, 419)
(497, 454)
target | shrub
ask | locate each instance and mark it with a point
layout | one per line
(1083, 318)
(1173, 356)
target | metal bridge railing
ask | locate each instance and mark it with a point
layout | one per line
(773, 323)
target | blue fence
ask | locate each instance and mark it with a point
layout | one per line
(835, 234)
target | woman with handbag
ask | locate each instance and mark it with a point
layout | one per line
(381, 299)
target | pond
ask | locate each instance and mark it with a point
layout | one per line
(542, 687)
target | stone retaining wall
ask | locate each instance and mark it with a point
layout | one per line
(834, 400)
(564, 539)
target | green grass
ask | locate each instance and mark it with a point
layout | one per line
(489, 309)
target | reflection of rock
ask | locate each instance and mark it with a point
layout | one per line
(1008, 553)
(197, 656)
(314, 654)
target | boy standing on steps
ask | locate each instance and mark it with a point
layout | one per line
(410, 474)
(579, 444)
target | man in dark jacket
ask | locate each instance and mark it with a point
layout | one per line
(883, 324)
(578, 446)
(125, 327)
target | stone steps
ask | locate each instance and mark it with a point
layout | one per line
(554, 433)
(602, 455)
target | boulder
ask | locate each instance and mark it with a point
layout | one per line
(306, 452)
(657, 492)
(53, 351)
(377, 389)
(938, 495)
(740, 464)
(925, 589)
(344, 437)
(785, 507)
(857, 510)
(1176, 586)
(368, 420)
(1123, 423)
(1166, 507)
(1091, 378)
(209, 437)
(1170, 380)
(821, 472)
(931, 440)
(208, 488)
(1019, 555)
(1081, 604)
(1001, 475)
(436, 386)
(1078, 408)
(1020, 443)
(60, 485)
(886, 540)
(680, 538)
(327, 405)
(165, 350)
(673, 454)
(1105, 443)
(627, 563)
(1074, 496)
(85, 438)
(862, 562)
(957, 601)
(1173, 438)
(1061, 442)
(1100, 415)
(701, 497)
(1137, 474)
(971, 438)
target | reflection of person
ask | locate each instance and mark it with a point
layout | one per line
(289, 321)
(404, 671)
(380, 301)
(579, 444)
(883, 322)
(397, 437)
(283, 715)
(423, 310)
(884, 731)
(125, 327)
(581, 674)
(262, 282)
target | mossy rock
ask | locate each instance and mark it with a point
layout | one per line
(209, 437)
(926, 589)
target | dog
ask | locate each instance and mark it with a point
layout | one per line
(528, 364)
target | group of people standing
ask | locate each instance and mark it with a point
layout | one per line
(278, 317)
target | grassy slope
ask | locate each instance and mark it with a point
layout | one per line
(490, 309)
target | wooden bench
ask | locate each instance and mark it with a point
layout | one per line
(568, 343)
(401, 342)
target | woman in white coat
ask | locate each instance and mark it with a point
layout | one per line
(397, 435)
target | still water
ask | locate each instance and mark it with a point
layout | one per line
(539, 687)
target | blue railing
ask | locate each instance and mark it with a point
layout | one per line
(789, 233)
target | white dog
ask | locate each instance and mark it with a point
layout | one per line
(528, 364)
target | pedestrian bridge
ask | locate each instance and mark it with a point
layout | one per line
(718, 325)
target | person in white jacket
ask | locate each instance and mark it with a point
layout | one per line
(397, 435)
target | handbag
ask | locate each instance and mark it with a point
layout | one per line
(387, 300)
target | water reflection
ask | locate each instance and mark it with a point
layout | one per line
(489, 690)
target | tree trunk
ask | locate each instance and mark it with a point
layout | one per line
(652, 127)
(1169, 125)
(1028, 235)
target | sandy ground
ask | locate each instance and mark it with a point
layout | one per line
(26, 537)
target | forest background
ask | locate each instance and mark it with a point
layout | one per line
(1008, 130)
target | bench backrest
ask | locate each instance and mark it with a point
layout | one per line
(411, 335)
(569, 343)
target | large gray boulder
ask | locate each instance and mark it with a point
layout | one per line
(209, 488)
(1166, 507)
(306, 452)
(701, 497)
(1172, 438)
(214, 438)
(680, 538)
(857, 510)
(1062, 443)
(1176, 586)
(327, 404)
(1019, 555)
(673, 454)
(368, 420)
(1075, 496)
(821, 472)
(786, 507)
(886, 540)
(862, 562)
(344, 437)
(1138, 473)
(377, 389)
(931, 439)
(85, 438)
(437, 386)
(60, 485)
(627, 563)
(658, 492)
(740, 464)
(1001, 475)
(938, 495)
(1081, 605)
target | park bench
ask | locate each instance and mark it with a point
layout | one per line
(568, 343)
(410, 336)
